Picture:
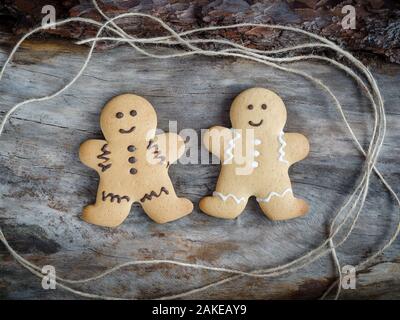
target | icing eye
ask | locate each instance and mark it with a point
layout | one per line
(133, 113)
(119, 115)
(264, 106)
(250, 107)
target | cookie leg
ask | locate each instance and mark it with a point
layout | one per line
(229, 198)
(282, 206)
(220, 206)
(110, 210)
(164, 206)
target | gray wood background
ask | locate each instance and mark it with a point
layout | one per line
(43, 186)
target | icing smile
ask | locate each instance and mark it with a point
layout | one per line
(127, 131)
(256, 124)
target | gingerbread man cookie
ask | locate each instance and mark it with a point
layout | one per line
(133, 163)
(256, 155)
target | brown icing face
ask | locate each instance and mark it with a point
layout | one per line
(258, 109)
(127, 117)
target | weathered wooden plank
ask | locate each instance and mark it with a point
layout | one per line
(376, 30)
(44, 186)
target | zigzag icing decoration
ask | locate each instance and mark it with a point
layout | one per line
(272, 194)
(231, 145)
(281, 151)
(226, 197)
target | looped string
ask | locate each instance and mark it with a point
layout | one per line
(348, 214)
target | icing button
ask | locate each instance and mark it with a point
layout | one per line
(133, 171)
(257, 142)
(131, 148)
(254, 164)
(256, 153)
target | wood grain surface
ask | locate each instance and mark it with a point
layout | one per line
(43, 185)
(377, 32)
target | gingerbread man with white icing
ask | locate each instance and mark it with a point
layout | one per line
(255, 155)
(133, 163)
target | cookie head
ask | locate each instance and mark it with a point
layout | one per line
(127, 116)
(259, 109)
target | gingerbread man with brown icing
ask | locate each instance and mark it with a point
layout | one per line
(133, 163)
(256, 155)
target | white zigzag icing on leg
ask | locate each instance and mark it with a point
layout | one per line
(229, 195)
(267, 199)
(231, 145)
(283, 145)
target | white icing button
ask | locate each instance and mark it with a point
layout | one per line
(254, 164)
(256, 153)
(257, 142)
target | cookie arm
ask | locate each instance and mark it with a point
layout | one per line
(89, 151)
(297, 147)
(215, 140)
(171, 145)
